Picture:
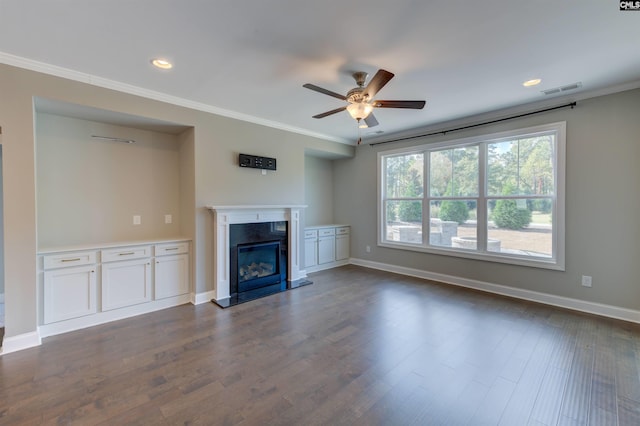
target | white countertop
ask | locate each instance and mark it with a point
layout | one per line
(97, 246)
(335, 225)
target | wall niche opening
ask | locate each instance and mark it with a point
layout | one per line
(92, 183)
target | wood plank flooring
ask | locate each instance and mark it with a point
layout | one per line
(358, 347)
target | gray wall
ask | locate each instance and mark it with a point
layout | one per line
(318, 184)
(602, 204)
(210, 176)
(89, 189)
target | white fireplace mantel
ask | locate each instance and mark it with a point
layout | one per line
(228, 215)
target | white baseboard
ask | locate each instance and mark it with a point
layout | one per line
(200, 298)
(20, 342)
(534, 296)
(322, 267)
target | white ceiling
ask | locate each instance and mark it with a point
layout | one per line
(249, 59)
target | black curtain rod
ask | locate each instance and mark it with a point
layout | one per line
(444, 132)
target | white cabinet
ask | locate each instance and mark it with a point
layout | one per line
(90, 285)
(172, 270)
(310, 248)
(326, 247)
(69, 292)
(342, 243)
(126, 283)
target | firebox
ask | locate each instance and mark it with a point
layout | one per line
(257, 260)
(258, 265)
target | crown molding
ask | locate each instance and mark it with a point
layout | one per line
(506, 112)
(57, 71)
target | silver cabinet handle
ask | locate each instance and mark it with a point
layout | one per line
(126, 254)
(70, 260)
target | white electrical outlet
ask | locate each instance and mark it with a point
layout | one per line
(137, 220)
(586, 281)
(168, 219)
(368, 249)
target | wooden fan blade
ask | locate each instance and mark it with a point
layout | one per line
(371, 120)
(325, 91)
(399, 104)
(333, 111)
(378, 81)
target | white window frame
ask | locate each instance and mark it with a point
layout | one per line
(556, 261)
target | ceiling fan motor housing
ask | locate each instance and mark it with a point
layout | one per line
(356, 95)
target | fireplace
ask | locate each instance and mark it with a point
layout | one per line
(248, 231)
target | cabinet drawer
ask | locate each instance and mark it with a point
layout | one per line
(171, 248)
(311, 233)
(69, 259)
(344, 230)
(126, 253)
(326, 232)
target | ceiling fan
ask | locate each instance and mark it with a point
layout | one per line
(360, 99)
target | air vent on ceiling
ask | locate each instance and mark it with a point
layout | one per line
(566, 88)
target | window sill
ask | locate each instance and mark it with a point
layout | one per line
(550, 263)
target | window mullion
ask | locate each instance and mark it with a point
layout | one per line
(426, 197)
(481, 204)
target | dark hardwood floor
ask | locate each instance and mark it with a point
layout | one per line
(358, 346)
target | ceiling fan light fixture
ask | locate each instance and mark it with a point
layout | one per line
(359, 110)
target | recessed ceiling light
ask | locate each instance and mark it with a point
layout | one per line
(533, 82)
(162, 63)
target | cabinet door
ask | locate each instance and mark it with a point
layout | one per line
(69, 293)
(342, 247)
(171, 276)
(310, 252)
(126, 283)
(326, 249)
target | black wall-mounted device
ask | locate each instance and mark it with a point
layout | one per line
(255, 162)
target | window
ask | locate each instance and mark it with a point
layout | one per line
(497, 197)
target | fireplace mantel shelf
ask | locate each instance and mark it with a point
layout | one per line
(257, 207)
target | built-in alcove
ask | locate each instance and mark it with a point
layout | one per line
(318, 178)
(89, 189)
(115, 215)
